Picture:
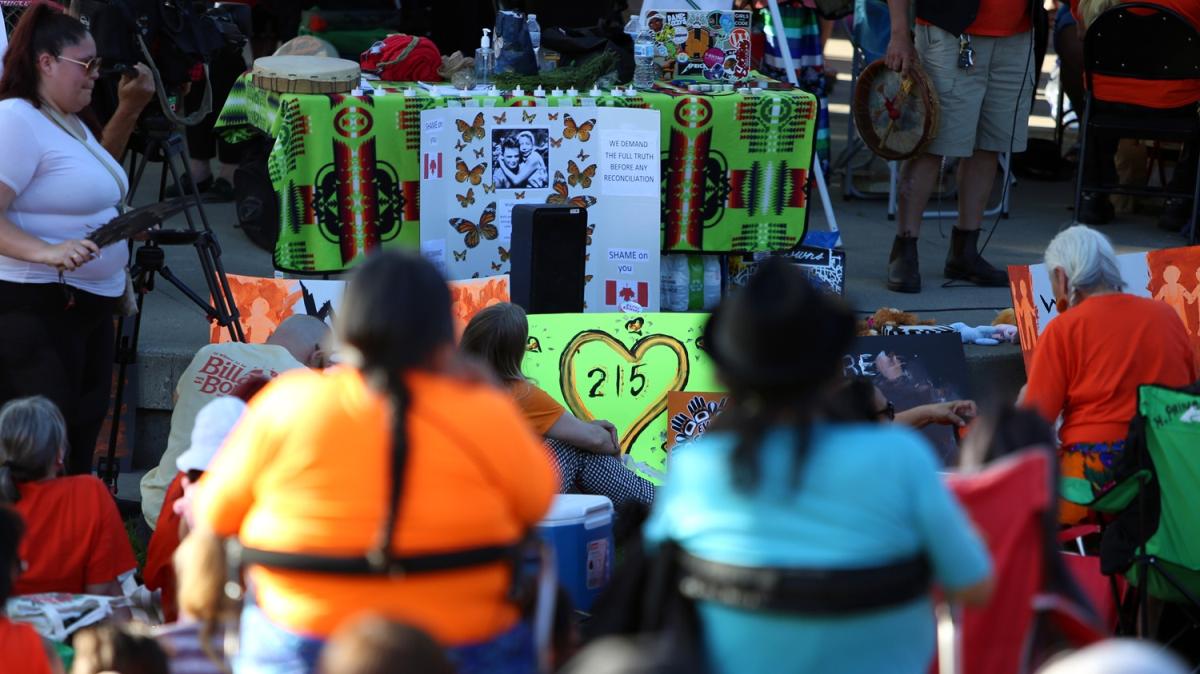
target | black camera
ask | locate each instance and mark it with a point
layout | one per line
(174, 37)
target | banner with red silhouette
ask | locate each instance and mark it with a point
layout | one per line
(264, 303)
(1171, 275)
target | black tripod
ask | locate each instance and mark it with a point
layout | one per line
(163, 142)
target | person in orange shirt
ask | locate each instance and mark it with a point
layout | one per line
(585, 452)
(76, 540)
(978, 55)
(395, 485)
(21, 648)
(1087, 366)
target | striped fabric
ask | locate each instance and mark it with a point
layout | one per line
(803, 31)
(181, 641)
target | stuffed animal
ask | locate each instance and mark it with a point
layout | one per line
(988, 335)
(888, 316)
(1006, 317)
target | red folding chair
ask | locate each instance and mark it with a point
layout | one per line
(1009, 502)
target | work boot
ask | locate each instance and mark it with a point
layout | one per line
(964, 263)
(904, 269)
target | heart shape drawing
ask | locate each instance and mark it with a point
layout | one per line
(635, 355)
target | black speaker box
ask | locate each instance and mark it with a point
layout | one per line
(548, 248)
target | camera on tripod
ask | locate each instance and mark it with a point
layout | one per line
(175, 38)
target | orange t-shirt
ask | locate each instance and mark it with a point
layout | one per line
(306, 471)
(539, 408)
(74, 536)
(21, 649)
(998, 18)
(1090, 360)
(1161, 94)
(159, 572)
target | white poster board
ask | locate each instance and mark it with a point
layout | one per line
(477, 163)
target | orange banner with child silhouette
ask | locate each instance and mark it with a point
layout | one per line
(1171, 276)
(264, 303)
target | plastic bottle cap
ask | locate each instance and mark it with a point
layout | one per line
(572, 91)
(539, 92)
(595, 92)
(556, 92)
(532, 17)
(409, 92)
(485, 42)
(518, 92)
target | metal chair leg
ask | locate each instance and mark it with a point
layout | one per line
(1083, 156)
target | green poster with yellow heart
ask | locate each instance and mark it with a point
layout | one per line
(620, 367)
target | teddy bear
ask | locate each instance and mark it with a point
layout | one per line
(888, 316)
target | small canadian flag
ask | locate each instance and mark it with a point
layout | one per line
(433, 166)
(621, 292)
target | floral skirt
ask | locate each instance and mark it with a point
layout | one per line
(1092, 461)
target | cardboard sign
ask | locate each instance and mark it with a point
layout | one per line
(264, 303)
(914, 370)
(824, 267)
(689, 414)
(701, 45)
(481, 163)
(1171, 276)
(622, 368)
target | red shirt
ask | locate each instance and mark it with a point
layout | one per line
(74, 536)
(1088, 364)
(1162, 94)
(21, 649)
(159, 572)
(1001, 18)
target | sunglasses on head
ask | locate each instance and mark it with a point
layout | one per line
(91, 67)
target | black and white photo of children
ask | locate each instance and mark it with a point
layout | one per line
(520, 158)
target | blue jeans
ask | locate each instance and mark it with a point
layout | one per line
(267, 648)
(510, 652)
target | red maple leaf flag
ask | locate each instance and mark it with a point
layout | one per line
(620, 292)
(433, 166)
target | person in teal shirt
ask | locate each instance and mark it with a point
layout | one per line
(777, 486)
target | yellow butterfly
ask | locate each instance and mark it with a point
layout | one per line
(479, 153)
(467, 199)
(474, 233)
(582, 178)
(635, 326)
(470, 131)
(459, 255)
(463, 174)
(572, 130)
(519, 195)
(528, 117)
(556, 142)
(552, 116)
(504, 254)
(533, 345)
(500, 118)
(489, 188)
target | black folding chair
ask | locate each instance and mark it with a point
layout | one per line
(1140, 40)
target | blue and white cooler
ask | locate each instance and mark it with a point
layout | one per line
(580, 529)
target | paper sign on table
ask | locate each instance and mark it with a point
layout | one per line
(621, 367)
(605, 160)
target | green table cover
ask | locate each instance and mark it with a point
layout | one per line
(347, 168)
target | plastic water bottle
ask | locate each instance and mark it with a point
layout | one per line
(535, 38)
(644, 72)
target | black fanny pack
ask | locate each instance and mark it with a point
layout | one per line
(808, 591)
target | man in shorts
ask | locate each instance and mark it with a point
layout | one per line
(978, 56)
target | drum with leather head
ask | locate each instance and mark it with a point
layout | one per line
(305, 74)
(896, 115)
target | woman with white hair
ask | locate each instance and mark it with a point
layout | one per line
(1088, 363)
